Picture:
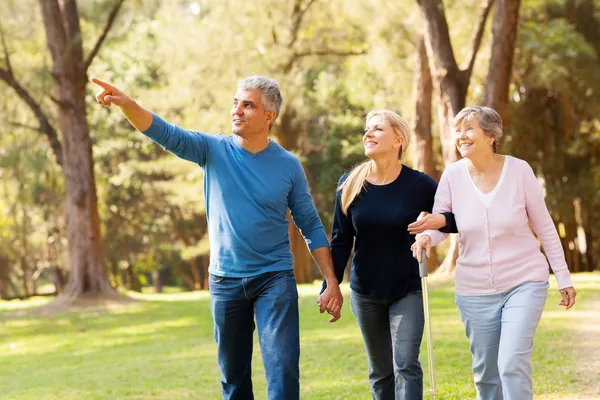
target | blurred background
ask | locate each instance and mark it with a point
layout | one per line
(87, 204)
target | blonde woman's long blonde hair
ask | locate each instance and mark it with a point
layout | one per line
(355, 181)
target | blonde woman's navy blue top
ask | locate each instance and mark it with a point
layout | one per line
(376, 225)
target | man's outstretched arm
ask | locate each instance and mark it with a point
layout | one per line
(191, 146)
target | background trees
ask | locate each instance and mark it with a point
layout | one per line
(135, 215)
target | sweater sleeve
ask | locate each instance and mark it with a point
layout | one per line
(450, 223)
(442, 204)
(342, 237)
(303, 211)
(189, 145)
(431, 189)
(543, 226)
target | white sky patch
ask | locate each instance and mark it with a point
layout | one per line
(195, 8)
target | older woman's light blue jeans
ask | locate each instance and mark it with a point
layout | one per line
(500, 329)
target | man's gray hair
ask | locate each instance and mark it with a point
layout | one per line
(270, 95)
(489, 121)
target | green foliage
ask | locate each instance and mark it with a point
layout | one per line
(335, 137)
(554, 114)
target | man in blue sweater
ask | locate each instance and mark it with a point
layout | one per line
(249, 183)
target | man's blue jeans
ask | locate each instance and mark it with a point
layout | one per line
(273, 298)
(392, 331)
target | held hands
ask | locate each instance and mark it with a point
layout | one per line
(422, 242)
(428, 222)
(331, 300)
(568, 297)
(110, 95)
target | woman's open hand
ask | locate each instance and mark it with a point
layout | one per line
(428, 222)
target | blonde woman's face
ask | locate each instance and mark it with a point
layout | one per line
(470, 138)
(380, 138)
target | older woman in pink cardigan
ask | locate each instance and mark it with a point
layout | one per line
(501, 274)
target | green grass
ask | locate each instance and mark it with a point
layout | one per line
(162, 348)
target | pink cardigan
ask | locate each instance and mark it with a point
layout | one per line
(497, 250)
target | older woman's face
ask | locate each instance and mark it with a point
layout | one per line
(470, 138)
(380, 138)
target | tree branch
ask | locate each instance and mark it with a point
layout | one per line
(486, 6)
(324, 52)
(25, 126)
(109, 23)
(6, 57)
(73, 29)
(297, 16)
(438, 35)
(61, 103)
(56, 37)
(273, 32)
(45, 126)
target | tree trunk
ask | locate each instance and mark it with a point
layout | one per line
(196, 273)
(589, 254)
(505, 27)
(187, 280)
(195, 269)
(63, 34)
(589, 228)
(4, 277)
(423, 143)
(450, 83)
(24, 278)
(423, 90)
(88, 273)
(573, 248)
(131, 281)
(204, 262)
(15, 289)
(57, 278)
(156, 281)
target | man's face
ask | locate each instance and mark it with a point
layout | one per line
(248, 115)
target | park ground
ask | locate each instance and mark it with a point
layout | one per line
(161, 347)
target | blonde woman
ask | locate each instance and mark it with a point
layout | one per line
(375, 203)
(501, 274)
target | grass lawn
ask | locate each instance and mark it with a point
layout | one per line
(162, 348)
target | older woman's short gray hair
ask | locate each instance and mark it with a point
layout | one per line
(270, 95)
(489, 121)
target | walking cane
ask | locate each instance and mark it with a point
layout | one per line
(423, 274)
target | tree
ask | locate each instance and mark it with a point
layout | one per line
(423, 92)
(450, 83)
(506, 18)
(554, 118)
(74, 149)
(423, 158)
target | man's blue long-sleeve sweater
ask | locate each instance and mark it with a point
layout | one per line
(247, 196)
